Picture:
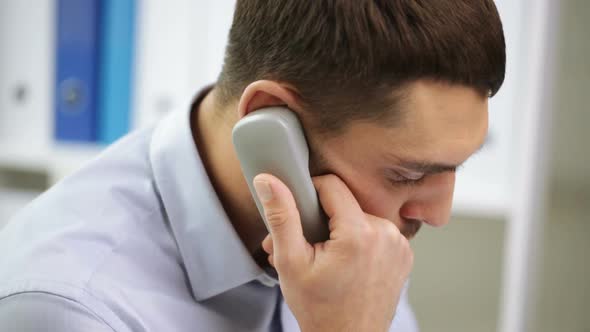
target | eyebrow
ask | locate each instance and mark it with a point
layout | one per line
(434, 168)
(428, 168)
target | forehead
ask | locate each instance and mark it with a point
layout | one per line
(441, 123)
(440, 103)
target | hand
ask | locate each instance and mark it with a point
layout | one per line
(351, 282)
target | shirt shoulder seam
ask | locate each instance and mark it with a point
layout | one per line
(77, 295)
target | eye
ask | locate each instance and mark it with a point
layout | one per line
(407, 178)
(407, 181)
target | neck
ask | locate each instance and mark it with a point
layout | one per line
(212, 128)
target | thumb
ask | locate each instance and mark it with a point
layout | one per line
(282, 218)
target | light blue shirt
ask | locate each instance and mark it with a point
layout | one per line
(137, 240)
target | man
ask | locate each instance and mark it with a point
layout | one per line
(160, 232)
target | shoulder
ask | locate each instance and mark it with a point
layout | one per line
(70, 229)
(36, 311)
(80, 244)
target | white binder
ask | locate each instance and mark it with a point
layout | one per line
(180, 47)
(26, 79)
(162, 58)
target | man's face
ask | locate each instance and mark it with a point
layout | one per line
(406, 173)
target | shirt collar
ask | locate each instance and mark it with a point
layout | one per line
(215, 258)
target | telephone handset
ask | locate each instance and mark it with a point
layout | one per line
(271, 140)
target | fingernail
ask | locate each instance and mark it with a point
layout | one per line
(263, 190)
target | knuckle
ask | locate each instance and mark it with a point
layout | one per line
(368, 233)
(373, 234)
(365, 238)
(354, 244)
(276, 217)
(388, 232)
(391, 230)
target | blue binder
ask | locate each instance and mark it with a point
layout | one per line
(116, 57)
(76, 69)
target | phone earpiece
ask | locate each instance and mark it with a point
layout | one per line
(271, 140)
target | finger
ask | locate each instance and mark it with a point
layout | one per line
(336, 199)
(282, 217)
(267, 244)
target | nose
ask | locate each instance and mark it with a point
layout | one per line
(431, 202)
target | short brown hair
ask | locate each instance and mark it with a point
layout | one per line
(344, 57)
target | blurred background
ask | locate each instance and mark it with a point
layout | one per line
(75, 75)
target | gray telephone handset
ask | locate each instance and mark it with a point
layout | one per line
(271, 140)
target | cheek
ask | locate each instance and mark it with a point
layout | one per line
(376, 197)
(374, 193)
